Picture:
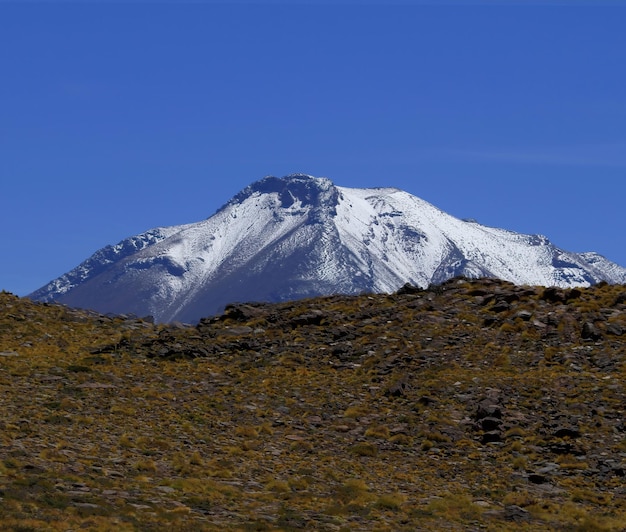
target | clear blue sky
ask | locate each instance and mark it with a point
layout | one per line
(116, 117)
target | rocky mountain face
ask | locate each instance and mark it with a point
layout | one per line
(470, 405)
(299, 236)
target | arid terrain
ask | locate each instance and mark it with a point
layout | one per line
(473, 405)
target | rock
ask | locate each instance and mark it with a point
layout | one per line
(399, 387)
(500, 306)
(486, 409)
(567, 432)
(524, 315)
(590, 332)
(516, 513)
(426, 401)
(549, 467)
(485, 300)
(237, 331)
(509, 297)
(619, 471)
(565, 447)
(315, 317)
(553, 295)
(615, 329)
(242, 312)
(490, 423)
(493, 436)
(315, 421)
(573, 293)
(482, 504)
(408, 288)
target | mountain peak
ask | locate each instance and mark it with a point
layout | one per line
(294, 188)
(300, 236)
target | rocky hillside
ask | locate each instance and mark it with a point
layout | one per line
(473, 405)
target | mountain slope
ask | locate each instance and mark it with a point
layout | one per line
(301, 236)
(472, 405)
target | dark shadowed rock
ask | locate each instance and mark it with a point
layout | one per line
(487, 409)
(567, 432)
(408, 288)
(243, 312)
(590, 332)
(501, 306)
(573, 293)
(553, 295)
(490, 423)
(399, 387)
(493, 436)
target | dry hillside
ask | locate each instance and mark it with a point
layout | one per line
(475, 405)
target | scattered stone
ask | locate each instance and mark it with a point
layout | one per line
(315, 421)
(315, 317)
(567, 432)
(492, 436)
(590, 332)
(548, 468)
(490, 423)
(482, 504)
(242, 312)
(516, 513)
(487, 409)
(424, 400)
(524, 315)
(408, 289)
(501, 306)
(615, 329)
(553, 295)
(399, 387)
(236, 331)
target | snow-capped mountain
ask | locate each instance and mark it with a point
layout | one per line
(301, 236)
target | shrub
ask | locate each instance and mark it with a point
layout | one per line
(364, 449)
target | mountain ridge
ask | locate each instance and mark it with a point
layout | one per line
(301, 236)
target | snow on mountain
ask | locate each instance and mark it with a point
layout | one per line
(300, 236)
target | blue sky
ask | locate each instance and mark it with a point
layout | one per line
(116, 117)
